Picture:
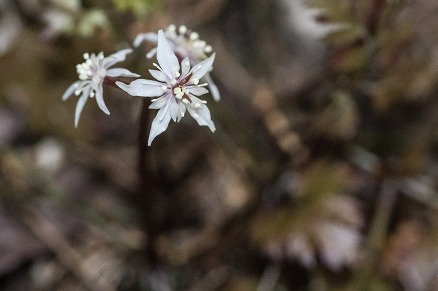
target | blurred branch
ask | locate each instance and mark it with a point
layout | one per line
(377, 233)
(68, 256)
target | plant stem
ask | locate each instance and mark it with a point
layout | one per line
(378, 231)
(146, 191)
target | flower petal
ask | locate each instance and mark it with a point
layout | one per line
(174, 110)
(159, 124)
(160, 102)
(84, 86)
(197, 91)
(79, 106)
(151, 53)
(116, 57)
(182, 109)
(120, 72)
(185, 66)
(213, 88)
(166, 57)
(160, 76)
(201, 114)
(203, 67)
(99, 99)
(164, 110)
(143, 88)
(150, 36)
(70, 90)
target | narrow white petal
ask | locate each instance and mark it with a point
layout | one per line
(79, 106)
(203, 66)
(201, 114)
(120, 72)
(84, 86)
(160, 102)
(151, 53)
(174, 110)
(143, 88)
(116, 57)
(150, 36)
(166, 57)
(185, 66)
(164, 110)
(159, 125)
(99, 99)
(197, 91)
(213, 88)
(182, 109)
(70, 90)
(160, 76)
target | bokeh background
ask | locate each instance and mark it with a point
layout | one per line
(322, 174)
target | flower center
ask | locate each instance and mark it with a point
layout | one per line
(180, 88)
(90, 69)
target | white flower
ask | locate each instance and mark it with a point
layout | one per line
(92, 74)
(177, 87)
(185, 44)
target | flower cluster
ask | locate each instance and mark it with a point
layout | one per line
(182, 64)
(186, 44)
(92, 74)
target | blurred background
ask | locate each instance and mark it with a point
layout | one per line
(322, 174)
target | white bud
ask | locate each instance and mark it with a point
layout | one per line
(182, 29)
(208, 49)
(194, 35)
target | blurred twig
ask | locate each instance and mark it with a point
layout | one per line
(377, 233)
(68, 256)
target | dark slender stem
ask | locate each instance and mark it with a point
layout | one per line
(146, 191)
(378, 231)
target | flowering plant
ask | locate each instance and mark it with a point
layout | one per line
(177, 88)
(93, 73)
(186, 44)
(177, 82)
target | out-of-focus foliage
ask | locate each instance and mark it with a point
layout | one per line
(296, 231)
(69, 17)
(322, 173)
(138, 7)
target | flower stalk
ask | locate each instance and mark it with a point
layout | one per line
(146, 191)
